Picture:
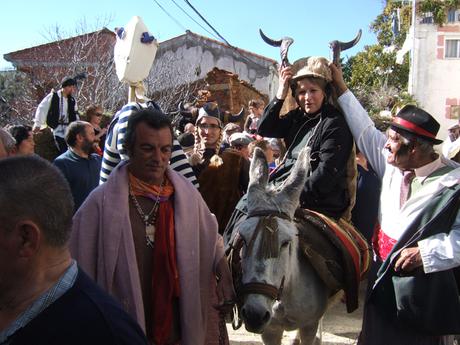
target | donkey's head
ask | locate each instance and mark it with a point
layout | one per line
(269, 236)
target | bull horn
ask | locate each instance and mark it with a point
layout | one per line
(338, 47)
(284, 45)
(269, 41)
(184, 112)
(237, 117)
(180, 107)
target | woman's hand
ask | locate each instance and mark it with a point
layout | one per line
(285, 74)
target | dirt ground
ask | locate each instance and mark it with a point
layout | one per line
(339, 327)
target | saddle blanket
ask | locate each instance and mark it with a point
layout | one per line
(337, 251)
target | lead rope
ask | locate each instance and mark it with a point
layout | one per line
(222, 329)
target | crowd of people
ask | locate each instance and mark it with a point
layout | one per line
(127, 225)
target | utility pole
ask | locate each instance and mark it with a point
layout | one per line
(412, 72)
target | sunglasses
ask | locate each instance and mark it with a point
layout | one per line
(98, 114)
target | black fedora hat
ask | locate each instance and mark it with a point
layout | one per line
(416, 121)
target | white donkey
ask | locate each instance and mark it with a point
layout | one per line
(280, 290)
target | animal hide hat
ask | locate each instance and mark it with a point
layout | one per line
(313, 66)
(210, 109)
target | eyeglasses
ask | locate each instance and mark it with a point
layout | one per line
(98, 114)
(208, 126)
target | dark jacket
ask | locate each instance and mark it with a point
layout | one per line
(429, 302)
(83, 315)
(331, 142)
(221, 187)
(52, 120)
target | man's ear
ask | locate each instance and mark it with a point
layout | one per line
(29, 238)
(14, 151)
(412, 146)
(80, 137)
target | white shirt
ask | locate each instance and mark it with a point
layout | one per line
(42, 112)
(439, 252)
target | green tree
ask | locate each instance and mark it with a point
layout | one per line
(373, 74)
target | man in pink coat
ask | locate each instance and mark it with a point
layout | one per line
(148, 238)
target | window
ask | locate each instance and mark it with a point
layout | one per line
(451, 16)
(427, 18)
(453, 48)
(455, 111)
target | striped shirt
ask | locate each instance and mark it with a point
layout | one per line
(114, 152)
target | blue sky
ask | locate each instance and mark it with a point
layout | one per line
(312, 23)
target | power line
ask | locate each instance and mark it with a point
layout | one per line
(188, 15)
(170, 16)
(212, 28)
(220, 36)
(199, 14)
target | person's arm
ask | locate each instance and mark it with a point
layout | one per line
(270, 124)
(441, 252)
(114, 151)
(179, 163)
(111, 156)
(101, 133)
(42, 112)
(368, 138)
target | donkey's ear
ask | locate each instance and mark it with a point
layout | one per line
(258, 173)
(293, 185)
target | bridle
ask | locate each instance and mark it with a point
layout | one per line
(268, 290)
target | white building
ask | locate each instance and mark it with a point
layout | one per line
(434, 78)
(191, 56)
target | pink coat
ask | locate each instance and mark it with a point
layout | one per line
(103, 245)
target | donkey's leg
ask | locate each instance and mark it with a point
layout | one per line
(308, 334)
(272, 335)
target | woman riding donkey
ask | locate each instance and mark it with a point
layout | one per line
(304, 113)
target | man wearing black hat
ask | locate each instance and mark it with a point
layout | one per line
(57, 110)
(413, 296)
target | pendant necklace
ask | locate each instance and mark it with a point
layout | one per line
(148, 219)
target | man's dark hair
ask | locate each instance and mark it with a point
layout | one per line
(33, 189)
(75, 128)
(20, 133)
(151, 117)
